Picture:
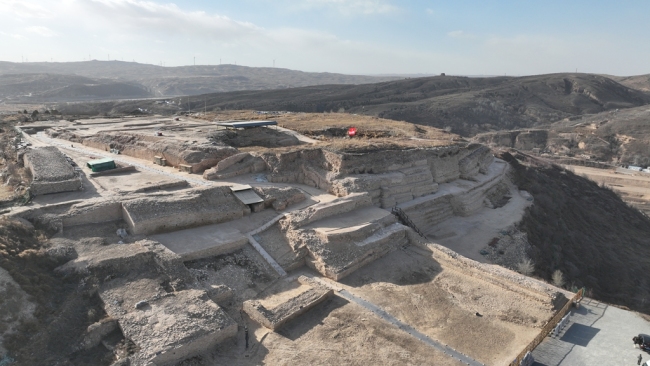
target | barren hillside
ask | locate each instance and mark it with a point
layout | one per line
(57, 88)
(464, 105)
(621, 136)
(639, 82)
(587, 232)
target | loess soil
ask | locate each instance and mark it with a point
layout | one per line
(587, 232)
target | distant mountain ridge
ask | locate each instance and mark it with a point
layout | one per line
(464, 105)
(41, 84)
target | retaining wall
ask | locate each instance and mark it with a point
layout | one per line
(431, 210)
(291, 308)
(93, 213)
(163, 213)
(38, 188)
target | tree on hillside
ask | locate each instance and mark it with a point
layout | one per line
(558, 278)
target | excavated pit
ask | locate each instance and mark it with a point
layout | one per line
(183, 270)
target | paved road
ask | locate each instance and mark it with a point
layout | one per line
(598, 334)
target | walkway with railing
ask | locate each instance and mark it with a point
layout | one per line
(404, 219)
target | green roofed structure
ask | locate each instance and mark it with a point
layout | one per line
(100, 165)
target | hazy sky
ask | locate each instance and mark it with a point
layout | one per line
(347, 36)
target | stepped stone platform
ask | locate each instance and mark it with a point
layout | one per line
(344, 235)
(458, 198)
(354, 226)
(164, 213)
(275, 310)
(395, 177)
(277, 246)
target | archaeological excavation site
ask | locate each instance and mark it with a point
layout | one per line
(228, 239)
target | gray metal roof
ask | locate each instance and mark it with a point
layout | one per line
(246, 194)
(247, 124)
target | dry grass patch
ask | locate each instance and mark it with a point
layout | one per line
(336, 124)
(325, 124)
(331, 130)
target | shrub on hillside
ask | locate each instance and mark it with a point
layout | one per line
(587, 232)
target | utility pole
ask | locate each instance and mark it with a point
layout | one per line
(273, 62)
(194, 60)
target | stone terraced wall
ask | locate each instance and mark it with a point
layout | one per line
(149, 215)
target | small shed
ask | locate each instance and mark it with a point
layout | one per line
(99, 165)
(247, 196)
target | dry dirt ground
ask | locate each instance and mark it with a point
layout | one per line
(634, 187)
(432, 297)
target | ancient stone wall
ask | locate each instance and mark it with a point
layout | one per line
(477, 161)
(429, 210)
(39, 188)
(364, 234)
(308, 166)
(468, 202)
(199, 156)
(163, 213)
(93, 211)
(197, 325)
(322, 210)
(51, 172)
(291, 308)
(145, 281)
(235, 165)
(463, 199)
(389, 177)
(444, 167)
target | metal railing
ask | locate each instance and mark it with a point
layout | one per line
(550, 326)
(403, 217)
